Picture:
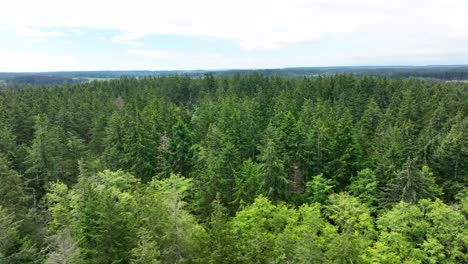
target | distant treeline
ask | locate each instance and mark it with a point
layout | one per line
(42, 80)
(453, 72)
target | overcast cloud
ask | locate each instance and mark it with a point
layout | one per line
(234, 34)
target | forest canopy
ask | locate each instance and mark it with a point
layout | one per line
(235, 169)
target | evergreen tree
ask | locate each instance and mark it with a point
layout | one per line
(451, 158)
(13, 193)
(275, 181)
(220, 239)
(179, 153)
(410, 184)
(248, 184)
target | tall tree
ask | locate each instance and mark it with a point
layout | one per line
(411, 184)
(275, 181)
(179, 153)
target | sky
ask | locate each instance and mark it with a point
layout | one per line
(69, 35)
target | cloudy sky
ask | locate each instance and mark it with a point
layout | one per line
(51, 35)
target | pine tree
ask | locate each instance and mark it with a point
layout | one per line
(451, 158)
(410, 184)
(179, 153)
(220, 239)
(275, 181)
(247, 183)
(13, 193)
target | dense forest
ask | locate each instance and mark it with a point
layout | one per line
(235, 169)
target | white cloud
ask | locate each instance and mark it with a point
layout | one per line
(154, 54)
(35, 61)
(33, 34)
(129, 39)
(252, 24)
(270, 33)
(29, 32)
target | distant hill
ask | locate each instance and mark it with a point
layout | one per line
(441, 72)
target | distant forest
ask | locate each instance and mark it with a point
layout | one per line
(271, 166)
(454, 72)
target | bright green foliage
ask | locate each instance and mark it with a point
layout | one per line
(401, 230)
(146, 252)
(256, 229)
(430, 232)
(355, 229)
(365, 186)
(8, 233)
(318, 189)
(446, 238)
(462, 198)
(97, 212)
(163, 221)
(59, 206)
(305, 237)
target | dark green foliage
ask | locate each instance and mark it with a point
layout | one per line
(13, 193)
(410, 184)
(179, 153)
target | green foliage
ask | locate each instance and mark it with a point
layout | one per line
(451, 157)
(264, 161)
(15, 248)
(430, 232)
(220, 238)
(52, 156)
(147, 251)
(97, 213)
(164, 223)
(248, 183)
(275, 182)
(256, 229)
(355, 229)
(12, 189)
(318, 189)
(179, 153)
(365, 186)
(304, 239)
(63, 249)
(410, 185)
